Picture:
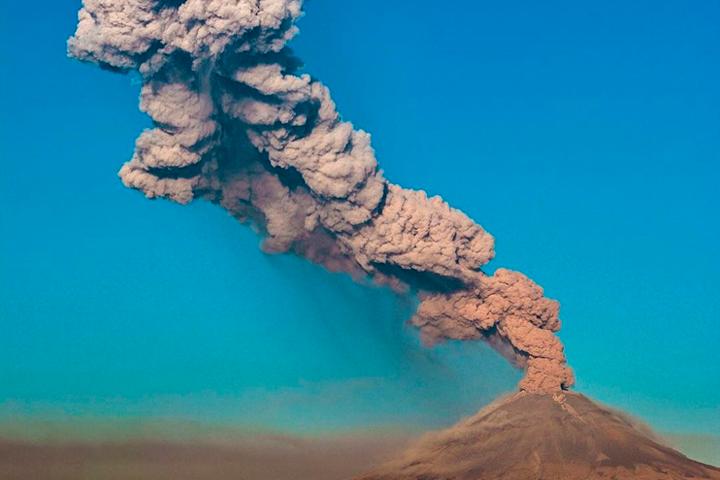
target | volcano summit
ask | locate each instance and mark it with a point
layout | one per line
(541, 437)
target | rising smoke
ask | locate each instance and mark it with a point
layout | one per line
(237, 125)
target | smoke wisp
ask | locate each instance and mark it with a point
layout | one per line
(235, 123)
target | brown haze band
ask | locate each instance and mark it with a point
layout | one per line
(236, 124)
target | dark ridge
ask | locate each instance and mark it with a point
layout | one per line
(179, 67)
(147, 54)
(188, 171)
(286, 58)
(383, 200)
(166, 127)
(311, 111)
(163, 4)
(112, 68)
(518, 358)
(241, 90)
(290, 177)
(205, 144)
(426, 281)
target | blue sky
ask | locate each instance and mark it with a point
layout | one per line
(586, 138)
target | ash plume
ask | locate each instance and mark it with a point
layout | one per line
(235, 123)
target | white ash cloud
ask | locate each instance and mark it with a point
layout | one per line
(236, 124)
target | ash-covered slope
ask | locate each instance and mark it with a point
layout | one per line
(538, 437)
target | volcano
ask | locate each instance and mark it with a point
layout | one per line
(543, 437)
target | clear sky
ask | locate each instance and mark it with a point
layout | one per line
(585, 137)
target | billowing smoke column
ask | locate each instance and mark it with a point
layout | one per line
(237, 125)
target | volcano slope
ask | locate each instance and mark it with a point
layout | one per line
(541, 437)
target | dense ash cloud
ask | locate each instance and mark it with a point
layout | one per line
(236, 124)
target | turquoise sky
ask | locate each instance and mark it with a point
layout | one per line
(586, 138)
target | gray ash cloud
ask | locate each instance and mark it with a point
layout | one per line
(235, 123)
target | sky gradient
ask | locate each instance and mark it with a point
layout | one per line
(585, 138)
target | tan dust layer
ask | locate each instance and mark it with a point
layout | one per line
(535, 437)
(281, 458)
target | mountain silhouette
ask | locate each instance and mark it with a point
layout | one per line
(543, 437)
